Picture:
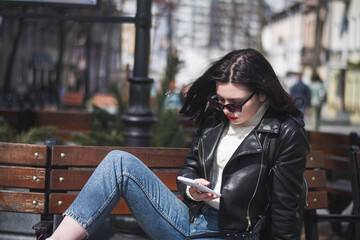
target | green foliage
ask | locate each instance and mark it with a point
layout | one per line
(5, 131)
(107, 129)
(172, 68)
(34, 135)
(168, 131)
(354, 65)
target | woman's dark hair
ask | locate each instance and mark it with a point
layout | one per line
(245, 66)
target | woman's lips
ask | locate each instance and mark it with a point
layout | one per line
(231, 118)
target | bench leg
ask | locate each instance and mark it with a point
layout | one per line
(43, 229)
(311, 225)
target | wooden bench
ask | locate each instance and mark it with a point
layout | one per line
(72, 99)
(66, 122)
(336, 149)
(51, 173)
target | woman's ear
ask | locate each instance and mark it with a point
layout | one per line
(262, 97)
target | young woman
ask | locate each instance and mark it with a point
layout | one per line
(250, 147)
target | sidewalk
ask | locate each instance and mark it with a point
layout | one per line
(339, 124)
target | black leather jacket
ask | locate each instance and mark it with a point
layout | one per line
(263, 177)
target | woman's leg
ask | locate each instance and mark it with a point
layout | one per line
(159, 212)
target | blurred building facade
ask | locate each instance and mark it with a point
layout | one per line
(289, 41)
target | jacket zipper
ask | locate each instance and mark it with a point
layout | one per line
(256, 188)
(202, 160)
(201, 156)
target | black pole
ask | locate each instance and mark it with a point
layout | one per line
(139, 118)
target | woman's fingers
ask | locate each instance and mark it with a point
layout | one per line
(201, 196)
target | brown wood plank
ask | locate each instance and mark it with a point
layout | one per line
(26, 202)
(43, 117)
(315, 159)
(336, 163)
(331, 149)
(72, 99)
(22, 177)
(329, 138)
(59, 202)
(74, 180)
(317, 200)
(315, 178)
(91, 156)
(339, 187)
(23, 154)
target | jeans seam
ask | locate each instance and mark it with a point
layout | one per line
(101, 209)
(152, 203)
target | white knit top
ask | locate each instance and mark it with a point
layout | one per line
(231, 139)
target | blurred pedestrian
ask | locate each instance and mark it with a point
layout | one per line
(318, 97)
(301, 93)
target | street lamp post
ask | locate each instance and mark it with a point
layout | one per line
(139, 118)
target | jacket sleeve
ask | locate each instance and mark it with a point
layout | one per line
(190, 166)
(287, 183)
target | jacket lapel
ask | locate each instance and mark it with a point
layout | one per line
(253, 143)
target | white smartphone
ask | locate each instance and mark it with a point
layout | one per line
(193, 183)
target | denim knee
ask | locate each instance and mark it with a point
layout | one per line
(116, 157)
(120, 161)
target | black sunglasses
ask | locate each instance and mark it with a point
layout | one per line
(234, 108)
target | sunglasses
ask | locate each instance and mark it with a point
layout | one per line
(234, 108)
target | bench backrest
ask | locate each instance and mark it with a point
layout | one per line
(24, 166)
(66, 122)
(335, 147)
(165, 163)
(73, 99)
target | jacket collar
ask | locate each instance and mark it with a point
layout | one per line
(270, 123)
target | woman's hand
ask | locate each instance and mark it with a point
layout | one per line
(201, 196)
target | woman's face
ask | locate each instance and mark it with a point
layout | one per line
(237, 93)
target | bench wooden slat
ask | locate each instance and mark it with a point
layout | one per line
(72, 99)
(22, 177)
(336, 163)
(91, 156)
(12, 201)
(330, 138)
(317, 200)
(23, 154)
(44, 117)
(315, 159)
(339, 187)
(315, 178)
(74, 180)
(55, 207)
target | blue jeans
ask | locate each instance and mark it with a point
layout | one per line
(157, 210)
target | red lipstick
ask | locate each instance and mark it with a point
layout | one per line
(231, 118)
